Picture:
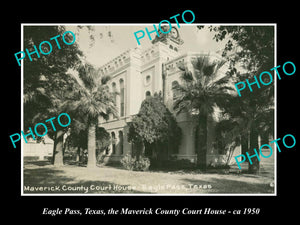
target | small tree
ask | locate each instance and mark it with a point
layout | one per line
(154, 126)
(92, 99)
(199, 93)
(252, 49)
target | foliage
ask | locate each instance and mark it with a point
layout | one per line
(131, 163)
(250, 51)
(103, 139)
(154, 124)
(253, 46)
(91, 99)
(202, 89)
(45, 77)
(228, 137)
(77, 136)
(128, 162)
(142, 164)
(49, 88)
(199, 93)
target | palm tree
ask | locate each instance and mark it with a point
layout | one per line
(200, 92)
(251, 116)
(91, 100)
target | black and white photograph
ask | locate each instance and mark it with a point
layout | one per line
(150, 113)
(114, 114)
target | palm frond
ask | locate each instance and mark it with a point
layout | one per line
(91, 97)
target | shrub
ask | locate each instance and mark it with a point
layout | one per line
(142, 164)
(130, 163)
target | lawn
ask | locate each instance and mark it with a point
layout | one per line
(41, 177)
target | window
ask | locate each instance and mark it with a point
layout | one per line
(121, 142)
(113, 142)
(122, 98)
(147, 80)
(114, 90)
(148, 94)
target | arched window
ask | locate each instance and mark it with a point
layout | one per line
(174, 89)
(171, 47)
(147, 80)
(113, 142)
(122, 98)
(114, 90)
(148, 93)
(121, 142)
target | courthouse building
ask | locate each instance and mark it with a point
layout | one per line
(138, 73)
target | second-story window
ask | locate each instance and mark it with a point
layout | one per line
(122, 98)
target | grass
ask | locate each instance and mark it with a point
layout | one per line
(109, 180)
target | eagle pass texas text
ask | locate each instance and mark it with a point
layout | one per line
(150, 211)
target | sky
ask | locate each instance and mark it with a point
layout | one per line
(111, 40)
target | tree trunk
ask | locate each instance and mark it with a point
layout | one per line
(244, 143)
(91, 146)
(254, 167)
(58, 149)
(54, 149)
(202, 142)
(78, 155)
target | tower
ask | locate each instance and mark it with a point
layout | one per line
(171, 39)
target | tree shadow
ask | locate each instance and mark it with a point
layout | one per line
(43, 178)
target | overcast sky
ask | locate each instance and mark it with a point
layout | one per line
(112, 40)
